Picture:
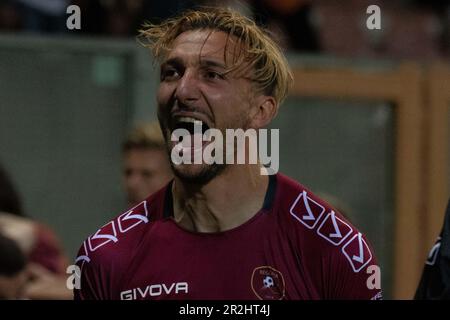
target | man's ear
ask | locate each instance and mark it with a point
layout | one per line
(264, 110)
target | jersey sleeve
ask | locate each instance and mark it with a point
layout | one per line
(93, 284)
(353, 273)
(337, 259)
(106, 256)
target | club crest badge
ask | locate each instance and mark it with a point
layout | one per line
(268, 283)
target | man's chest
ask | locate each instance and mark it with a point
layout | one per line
(213, 269)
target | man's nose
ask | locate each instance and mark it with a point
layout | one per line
(133, 180)
(187, 89)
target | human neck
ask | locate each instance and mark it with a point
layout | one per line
(227, 201)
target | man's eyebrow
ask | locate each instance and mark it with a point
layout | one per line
(177, 62)
(211, 63)
(173, 62)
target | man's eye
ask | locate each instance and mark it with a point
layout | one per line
(147, 174)
(169, 74)
(214, 75)
(128, 172)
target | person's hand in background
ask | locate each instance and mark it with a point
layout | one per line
(19, 229)
(45, 285)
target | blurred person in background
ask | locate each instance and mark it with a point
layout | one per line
(37, 240)
(122, 18)
(13, 275)
(285, 18)
(10, 16)
(435, 281)
(44, 16)
(46, 260)
(146, 167)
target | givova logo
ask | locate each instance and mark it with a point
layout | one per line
(154, 290)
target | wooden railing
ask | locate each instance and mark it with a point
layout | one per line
(421, 99)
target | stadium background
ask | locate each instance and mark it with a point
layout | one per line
(367, 121)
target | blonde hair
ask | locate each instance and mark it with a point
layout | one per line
(271, 71)
(144, 136)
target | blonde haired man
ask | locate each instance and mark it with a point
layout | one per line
(221, 230)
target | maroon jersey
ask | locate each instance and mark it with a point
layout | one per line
(295, 247)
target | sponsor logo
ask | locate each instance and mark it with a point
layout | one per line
(357, 252)
(104, 235)
(155, 290)
(306, 210)
(133, 217)
(333, 229)
(110, 231)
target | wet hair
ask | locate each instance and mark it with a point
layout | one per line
(255, 47)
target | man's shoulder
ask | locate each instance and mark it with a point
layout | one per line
(311, 212)
(301, 203)
(318, 226)
(116, 236)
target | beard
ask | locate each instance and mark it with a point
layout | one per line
(198, 176)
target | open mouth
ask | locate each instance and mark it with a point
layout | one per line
(193, 144)
(192, 125)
